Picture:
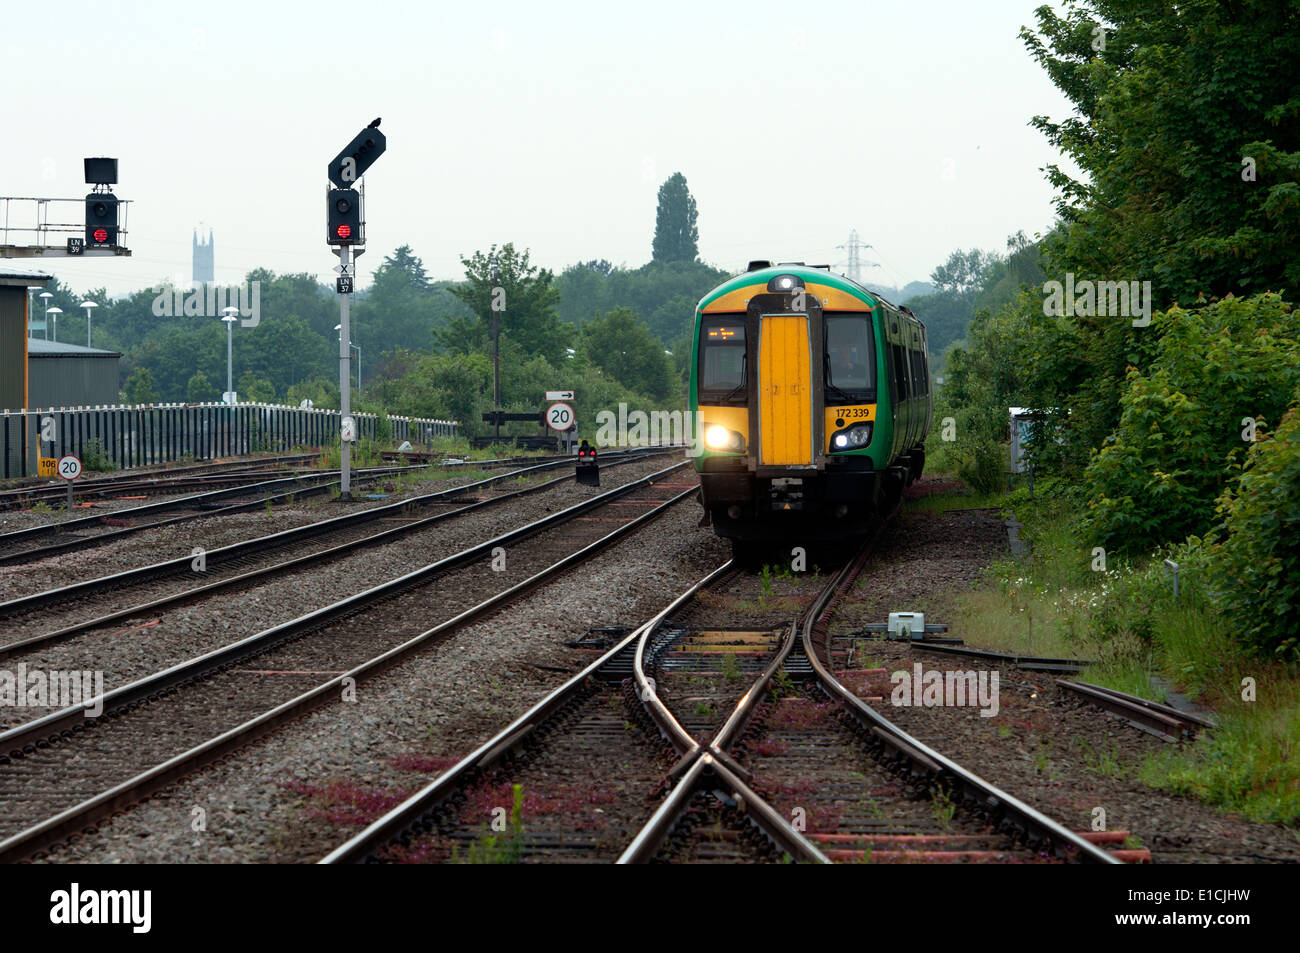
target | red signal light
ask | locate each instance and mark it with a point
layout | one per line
(101, 235)
(344, 231)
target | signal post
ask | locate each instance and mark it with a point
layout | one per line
(345, 229)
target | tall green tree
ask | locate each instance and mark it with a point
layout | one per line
(524, 297)
(676, 235)
(964, 273)
(623, 347)
(1186, 131)
(403, 307)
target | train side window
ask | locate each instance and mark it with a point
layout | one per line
(900, 372)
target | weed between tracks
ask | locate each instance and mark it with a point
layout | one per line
(425, 765)
(346, 802)
(578, 805)
(803, 796)
(799, 714)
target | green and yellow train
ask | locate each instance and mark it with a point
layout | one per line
(814, 403)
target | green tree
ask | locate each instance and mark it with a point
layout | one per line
(676, 235)
(139, 388)
(1187, 420)
(253, 387)
(584, 290)
(964, 273)
(1187, 137)
(1258, 558)
(402, 307)
(199, 389)
(525, 297)
(1185, 131)
(321, 391)
(621, 346)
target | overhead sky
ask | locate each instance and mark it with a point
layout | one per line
(550, 125)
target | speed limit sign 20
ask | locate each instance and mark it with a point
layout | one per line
(69, 467)
(559, 416)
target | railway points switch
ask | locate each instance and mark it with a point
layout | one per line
(907, 625)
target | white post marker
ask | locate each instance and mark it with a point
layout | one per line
(559, 417)
(69, 469)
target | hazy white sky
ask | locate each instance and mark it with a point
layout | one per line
(550, 125)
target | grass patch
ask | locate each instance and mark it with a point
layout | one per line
(1051, 601)
(1249, 764)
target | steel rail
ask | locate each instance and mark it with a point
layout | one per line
(983, 792)
(700, 763)
(34, 601)
(53, 726)
(193, 500)
(920, 754)
(1163, 721)
(38, 484)
(393, 825)
(198, 592)
(363, 475)
(1011, 658)
(80, 817)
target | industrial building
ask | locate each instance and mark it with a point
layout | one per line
(70, 375)
(14, 282)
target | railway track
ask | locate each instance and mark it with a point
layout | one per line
(35, 490)
(64, 772)
(118, 524)
(134, 488)
(774, 760)
(204, 476)
(573, 740)
(71, 610)
(115, 525)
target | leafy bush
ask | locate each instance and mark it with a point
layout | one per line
(1258, 562)
(94, 458)
(980, 465)
(1181, 427)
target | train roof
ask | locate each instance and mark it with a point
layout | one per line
(844, 293)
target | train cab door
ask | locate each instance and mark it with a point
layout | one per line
(785, 395)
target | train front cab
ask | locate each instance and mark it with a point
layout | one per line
(791, 445)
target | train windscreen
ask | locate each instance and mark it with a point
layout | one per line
(722, 359)
(850, 364)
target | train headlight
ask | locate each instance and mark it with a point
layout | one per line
(786, 283)
(720, 438)
(852, 438)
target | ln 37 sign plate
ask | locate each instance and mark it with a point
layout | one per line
(343, 284)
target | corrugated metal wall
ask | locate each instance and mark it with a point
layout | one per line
(13, 340)
(72, 380)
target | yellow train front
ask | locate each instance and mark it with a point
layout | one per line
(813, 398)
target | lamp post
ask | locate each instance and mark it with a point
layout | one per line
(89, 306)
(45, 297)
(56, 312)
(231, 316)
(31, 293)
